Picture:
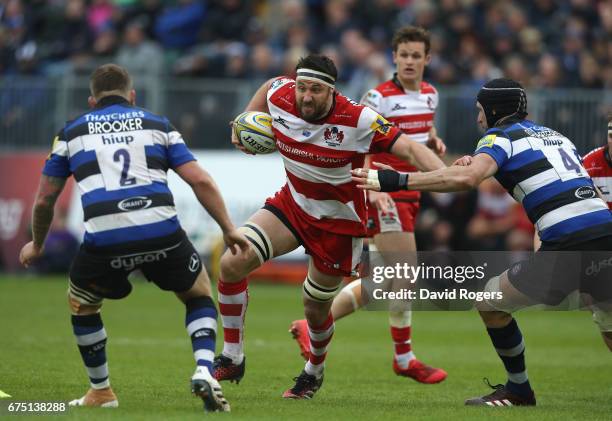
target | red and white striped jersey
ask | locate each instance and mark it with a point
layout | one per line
(319, 156)
(410, 111)
(598, 164)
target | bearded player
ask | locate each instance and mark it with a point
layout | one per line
(321, 135)
(409, 103)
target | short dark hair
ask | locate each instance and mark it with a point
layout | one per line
(318, 62)
(411, 34)
(109, 78)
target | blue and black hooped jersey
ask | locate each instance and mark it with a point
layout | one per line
(543, 171)
(119, 156)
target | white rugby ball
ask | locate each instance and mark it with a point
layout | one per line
(254, 131)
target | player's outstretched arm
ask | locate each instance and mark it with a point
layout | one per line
(454, 178)
(42, 215)
(209, 196)
(416, 154)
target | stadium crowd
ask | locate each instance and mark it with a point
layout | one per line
(542, 43)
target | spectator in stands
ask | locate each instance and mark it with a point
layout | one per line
(138, 54)
(178, 26)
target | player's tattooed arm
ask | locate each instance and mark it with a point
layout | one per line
(42, 214)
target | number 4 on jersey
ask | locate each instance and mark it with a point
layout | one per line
(568, 162)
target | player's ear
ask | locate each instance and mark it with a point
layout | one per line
(427, 59)
(394, 55)
(91, 101)
(132, 97)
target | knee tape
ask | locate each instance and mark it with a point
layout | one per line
(316, 292)
(349, 291)
(259, 239)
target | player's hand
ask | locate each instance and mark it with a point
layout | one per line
(381, 200)
(385, 180)
(464, 161)
(29, 253)
(235, 238)
(437, 145)
(236, 142)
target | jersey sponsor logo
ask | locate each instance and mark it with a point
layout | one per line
(414, 125)
(100, 127)
(278, 83)
(114, 116)
(130, 262)
(112, 140)
(282, 122)
(381, 125)
(486, 142)
(134, 203)
(333, 136)
(194, 263)
(553, 142)
(585, 192)
(398, 107)
(430, 103)
(306, 133)
(290, 150)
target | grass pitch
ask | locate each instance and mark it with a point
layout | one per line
(151, 361)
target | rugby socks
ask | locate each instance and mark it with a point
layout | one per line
(508, 342)
(91, 339)
(401, 330)
(201, 324)
(402, 345)
(233, 301)
(320, 336)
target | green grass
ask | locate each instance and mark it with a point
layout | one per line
(150, 360)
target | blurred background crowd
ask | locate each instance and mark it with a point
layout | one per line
(543, 43)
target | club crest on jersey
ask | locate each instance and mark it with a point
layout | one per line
(430, 103)
(333, 136)
(486, 142)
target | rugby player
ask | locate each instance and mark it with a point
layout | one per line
(119, 155)
(321, 135)
(409, 103)
(542, 170)
(598, 164)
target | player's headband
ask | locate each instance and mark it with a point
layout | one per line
(315, 76)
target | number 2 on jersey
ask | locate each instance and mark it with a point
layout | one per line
(125, 180)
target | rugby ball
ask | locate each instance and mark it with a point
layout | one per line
(254, 131)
